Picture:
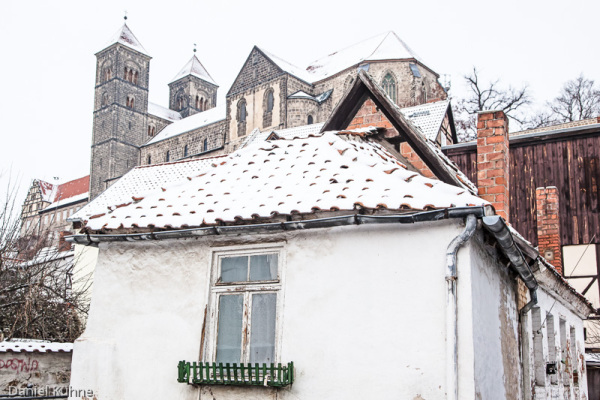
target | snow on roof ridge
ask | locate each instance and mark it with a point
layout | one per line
(191, 123)
(378, 47)
(195, 68)
(126, 37)
(163, 112)
(288, 66)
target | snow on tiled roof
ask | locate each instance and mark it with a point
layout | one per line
(565, 125)
(47, 191)
(428, 117)
(289, 68)
(143, 179)
(69, 200)
(163, 112)
(303, 95)
(190, 123)
(387, 46)
(334, 171)
(35, 346)
(125, 37)
(66, 192)
(195, 68)
(288, 133)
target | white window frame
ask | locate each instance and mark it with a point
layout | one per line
(217, 289)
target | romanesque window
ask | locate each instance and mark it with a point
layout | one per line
(205, 107)
(205, 145)
(180, 103)
(198, 104)
(104, 99)
(149, 160)
(310, 120)
(185, 151)
(168, 156)
(268, 107)
(130, 101)
(423, 93)
(389, 86)
(106, 74)
(151, 130)
(241, 114)
(130, 75)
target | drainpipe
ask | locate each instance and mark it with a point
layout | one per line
(451, 314)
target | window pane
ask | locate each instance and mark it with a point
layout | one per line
(234, 269)
(263, 267)
(229, 338)
(262, 339)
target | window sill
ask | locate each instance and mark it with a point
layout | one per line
(205, 373)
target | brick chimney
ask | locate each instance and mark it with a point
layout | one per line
(63, 245)
(493, 160)
(548, 225)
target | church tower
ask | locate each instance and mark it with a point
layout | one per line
(120, 109)
(192, 90)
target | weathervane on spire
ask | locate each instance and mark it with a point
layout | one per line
(125, 16)
(194, 47)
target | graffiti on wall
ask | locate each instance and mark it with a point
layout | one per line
(19, 365)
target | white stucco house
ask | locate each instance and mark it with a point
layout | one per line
(322, 267)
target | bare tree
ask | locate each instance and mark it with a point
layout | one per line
(37, 300)
(488, 96)
(579, 99)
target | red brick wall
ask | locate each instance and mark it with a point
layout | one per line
(369, 115)
(548, 225)
(493, 160)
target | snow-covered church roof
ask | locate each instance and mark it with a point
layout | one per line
(125, 37)
(387, 46)
(194, 68)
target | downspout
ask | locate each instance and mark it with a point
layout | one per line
(451, 302)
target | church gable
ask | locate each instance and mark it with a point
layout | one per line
(257, 70)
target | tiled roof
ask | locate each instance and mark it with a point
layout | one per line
(566, 125)
(143, 179)
(125, 37)
(66, 192)
(191, 123)
(35, 346)
(341, 171)
(387, 46)
(163, 112)
(427, 117)
(289, 133)
(195, 68)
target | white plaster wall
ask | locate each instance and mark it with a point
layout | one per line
(547, 303)
(363, 315)
(492, 325)
(84, 259)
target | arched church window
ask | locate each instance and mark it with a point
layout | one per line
(205, 145)
(310, 120)
(149, 159)
(389, 86)
(104, 99)
(423, 92)
(130, 101)
(168, 156)
(125, 73)
(106, 74)
(270, 101)
(180, 103)
(241, 111)
(185, 151)
(151, 130)
(135, 78)
(198, 104)
(205, 107)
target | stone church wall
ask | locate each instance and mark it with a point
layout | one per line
(214, 134)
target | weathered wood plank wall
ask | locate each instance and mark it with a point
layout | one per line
(572, 164)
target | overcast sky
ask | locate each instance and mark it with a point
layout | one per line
(48, 69)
